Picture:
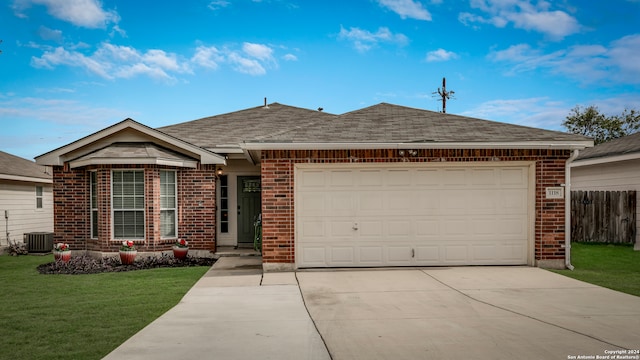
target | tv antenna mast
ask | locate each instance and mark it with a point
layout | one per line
(444, 94)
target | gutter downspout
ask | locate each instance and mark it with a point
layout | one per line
(567, 210)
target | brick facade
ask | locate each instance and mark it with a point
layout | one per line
(72, 213)
(278, 191)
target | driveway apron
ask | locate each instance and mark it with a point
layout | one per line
(468, 313)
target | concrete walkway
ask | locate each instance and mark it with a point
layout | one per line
(233, 312)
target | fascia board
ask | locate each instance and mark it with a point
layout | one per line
(577, 145)
(605, 159)
(25, 179)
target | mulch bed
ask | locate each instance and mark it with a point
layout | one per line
(79, 265)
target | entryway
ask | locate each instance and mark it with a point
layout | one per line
(249, 206)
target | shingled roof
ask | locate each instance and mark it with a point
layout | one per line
(231, 129)
(382, 124)
(622, 146)
(16, 168)
(387, 123)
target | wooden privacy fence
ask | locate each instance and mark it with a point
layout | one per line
(603, 216)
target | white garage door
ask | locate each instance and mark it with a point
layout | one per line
(411, 215)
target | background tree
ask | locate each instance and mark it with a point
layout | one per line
(591, 122)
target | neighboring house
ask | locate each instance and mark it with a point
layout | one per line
(610, 166)
(381, 186)
(26, 198)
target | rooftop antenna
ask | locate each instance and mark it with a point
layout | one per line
(444, 94)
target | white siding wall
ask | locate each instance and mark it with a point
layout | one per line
(618, 176)
(19, 198)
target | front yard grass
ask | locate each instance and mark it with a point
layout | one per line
(81, 316)
(615, 267)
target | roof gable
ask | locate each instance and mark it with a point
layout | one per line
(127, 130)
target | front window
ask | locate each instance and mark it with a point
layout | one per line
(168, 204)
(127, 199)
(94, 204)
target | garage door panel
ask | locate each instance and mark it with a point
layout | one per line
(374, 215)
(395, 178)
(427, 178)
(371, 178)
(371, 255)
(342, 256)
(427, 255)
(313, 255)
(399, 255)
(454, 177)
(513, 177)
(341, 178)
(312, 228)
(340, 228)
(455, 254)
(483, 178)
(370, 229)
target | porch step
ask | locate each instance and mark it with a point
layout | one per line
(231, 251)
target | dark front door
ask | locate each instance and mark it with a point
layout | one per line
(249, 198)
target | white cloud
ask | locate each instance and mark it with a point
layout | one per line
(112, 62)
(218, 4)
(522, 14)
(207, 57)
(290, 57)
(83, 13)
(440, 55)
(258, 51)
(60, 56)
(616, 63)
(364, 40)
(246, 65)
(407, 9)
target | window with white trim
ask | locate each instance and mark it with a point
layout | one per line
(127, 199)
(168, 204)
(93, 180)
(39, 197)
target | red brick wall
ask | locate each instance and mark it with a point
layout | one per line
(72, 216)
(197, 212)
(71, 220)
(278, 188)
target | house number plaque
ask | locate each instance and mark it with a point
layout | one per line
(555, 193)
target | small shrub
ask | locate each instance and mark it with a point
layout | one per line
(90, 265)
(16, 249)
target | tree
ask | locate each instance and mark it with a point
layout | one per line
(591, 122)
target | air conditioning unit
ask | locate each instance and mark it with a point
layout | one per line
(39, 241)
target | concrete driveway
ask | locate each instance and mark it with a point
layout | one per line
(468, 313)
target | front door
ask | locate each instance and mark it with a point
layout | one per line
(249, 200)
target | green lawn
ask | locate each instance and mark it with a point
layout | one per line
(613, 266)
(80, 316)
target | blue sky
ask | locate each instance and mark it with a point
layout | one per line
(70, 68)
